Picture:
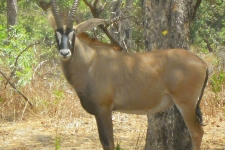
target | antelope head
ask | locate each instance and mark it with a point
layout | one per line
(65, 35)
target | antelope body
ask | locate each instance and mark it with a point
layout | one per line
(107, 80)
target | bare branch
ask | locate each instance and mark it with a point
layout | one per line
(16, 61)
(25, 98)
(39, 66)
(113, 41)
(102, 8)
(197, 4)
(95, 3)
(208, 45)
(115, 20)
(44, 5)
(96, 14)
(88, 4)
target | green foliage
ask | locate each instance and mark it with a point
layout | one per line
(3, 7)
(217, 81)
(209, 25)
(3, 34)
(12, 47)
(57, 143)
(118, 147)
(18, 51)
(59, 95)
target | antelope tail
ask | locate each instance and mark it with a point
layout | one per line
(198, 109)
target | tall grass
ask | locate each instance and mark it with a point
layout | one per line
(49, 93)
(213, 103)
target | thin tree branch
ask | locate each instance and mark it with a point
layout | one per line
(88, 4)
(208, 45)
(25, 98)
(44, 5)
(16, 61)
(102, 8)
(108, 34)
(96, 14)
(39, 65)
(115, 20)
(197, 4)
(95, 3)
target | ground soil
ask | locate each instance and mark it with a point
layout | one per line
(81, 134)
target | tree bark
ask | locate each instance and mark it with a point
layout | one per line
(11, 13)
(167, 25)
(128, 26)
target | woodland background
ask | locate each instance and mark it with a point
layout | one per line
(31, 74)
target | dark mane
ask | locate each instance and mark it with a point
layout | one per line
(84, 37)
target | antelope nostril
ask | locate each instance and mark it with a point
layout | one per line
(65, 52)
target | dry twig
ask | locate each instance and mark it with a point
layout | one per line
(96, 14)
(25, 98)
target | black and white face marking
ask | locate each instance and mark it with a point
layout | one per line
(65, 41)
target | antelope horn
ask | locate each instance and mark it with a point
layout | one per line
(55, 12)
(71, 17)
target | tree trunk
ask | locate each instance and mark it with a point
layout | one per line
(11, 13)
(167, 25)
(128, 26)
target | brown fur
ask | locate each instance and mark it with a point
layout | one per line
(107, 80)
(95, 43)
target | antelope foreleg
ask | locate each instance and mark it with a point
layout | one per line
(105, 129)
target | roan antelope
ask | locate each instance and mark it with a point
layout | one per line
(107, 80)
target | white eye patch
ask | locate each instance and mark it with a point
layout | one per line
(59, 36)
(71, 36)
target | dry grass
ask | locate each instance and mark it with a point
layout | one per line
(57, 113)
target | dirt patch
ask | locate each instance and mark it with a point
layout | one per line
(214, 137)
(81, 134)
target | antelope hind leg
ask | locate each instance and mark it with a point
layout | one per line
(193, 125)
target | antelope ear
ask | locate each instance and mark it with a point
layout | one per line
(87, 25)
(51, 20)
